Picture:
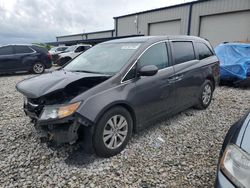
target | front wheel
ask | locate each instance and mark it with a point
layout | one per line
(206, 95)
(38, 68)
(112, 132)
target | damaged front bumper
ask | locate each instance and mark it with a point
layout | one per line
(59, 130)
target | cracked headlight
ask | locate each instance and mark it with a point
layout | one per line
(235, 164)
(57, 112)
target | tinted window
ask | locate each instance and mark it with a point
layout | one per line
(87, 47)
(80, 49)
(183, 51)
(61, 48)
(22, 49)
(156, 55)
(7, 50)
(203, 51)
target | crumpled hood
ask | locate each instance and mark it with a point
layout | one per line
(38, 86)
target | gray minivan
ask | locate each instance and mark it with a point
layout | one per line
(119, 87)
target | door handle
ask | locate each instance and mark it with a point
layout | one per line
(175, 78)
(179, 77)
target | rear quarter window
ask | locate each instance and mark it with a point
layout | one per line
(183, 51)
(203, 50)
(40, 49)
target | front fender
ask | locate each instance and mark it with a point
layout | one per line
(94, 106)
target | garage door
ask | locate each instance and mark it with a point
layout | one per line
(165, 28)
(228, 27)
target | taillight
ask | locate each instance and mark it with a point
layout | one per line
(49, 56)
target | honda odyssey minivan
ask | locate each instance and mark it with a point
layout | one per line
(120, 87)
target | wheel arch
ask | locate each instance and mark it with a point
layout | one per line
(123, 104)
(211, 78)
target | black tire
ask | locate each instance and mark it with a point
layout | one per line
(100, 146)
(203, 104)
(38, 68)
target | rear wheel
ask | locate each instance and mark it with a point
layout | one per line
(206, 95)
(112, 132)
(38, 68)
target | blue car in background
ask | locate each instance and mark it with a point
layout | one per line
(234, 63)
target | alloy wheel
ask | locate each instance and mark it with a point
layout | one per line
(38, 68)
(206, 94)
(115, 131)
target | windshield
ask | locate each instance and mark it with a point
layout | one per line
(103, 58)
(53, 49)
(70, 49)
(63, 48)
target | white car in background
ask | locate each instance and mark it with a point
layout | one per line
(57, 50)
(71, 53)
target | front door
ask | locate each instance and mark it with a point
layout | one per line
(154, 94)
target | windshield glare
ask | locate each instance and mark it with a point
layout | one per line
(70, 49)
(53, 49)
(106, 58)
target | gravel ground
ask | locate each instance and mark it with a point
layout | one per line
(179, 152)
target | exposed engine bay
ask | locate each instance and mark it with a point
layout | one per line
(61, 96)
(69, 92)
(67, 129)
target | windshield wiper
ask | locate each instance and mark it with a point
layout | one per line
(88, 71)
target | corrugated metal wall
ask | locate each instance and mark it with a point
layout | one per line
(83, 36)
(126, 26)
(215, 7)
(104, 34)
(227, 27)
(139, 24)
(69, 38)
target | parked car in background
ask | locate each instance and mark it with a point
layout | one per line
(234, 63)
(71, 53)
(56, 51)
(234, 160)
(121, 86)
(14, 58)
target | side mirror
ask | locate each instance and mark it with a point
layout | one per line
(148, 70)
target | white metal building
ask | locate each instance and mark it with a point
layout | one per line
(217, 20)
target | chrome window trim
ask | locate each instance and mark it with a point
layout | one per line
(122, 80)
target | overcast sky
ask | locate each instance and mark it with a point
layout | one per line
(26, 21)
